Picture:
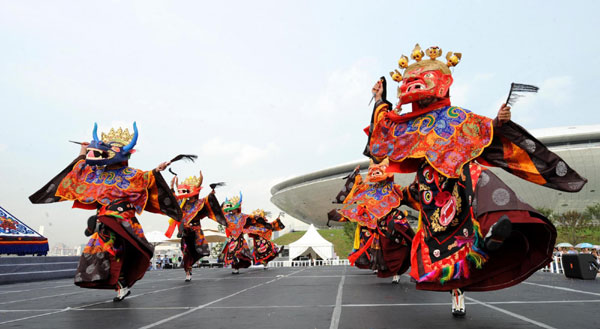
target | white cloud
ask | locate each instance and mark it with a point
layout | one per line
(459, 93)
(557, 90)
(240, 153)
(349, 88)
(554, 93)
(484, 77)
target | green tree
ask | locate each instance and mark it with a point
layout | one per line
(573, 224)
(593, 211)
(215, 251)
(349, 229)
(548, 213)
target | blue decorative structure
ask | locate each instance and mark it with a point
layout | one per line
(18, 238)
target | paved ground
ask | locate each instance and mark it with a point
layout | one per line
(317, 297)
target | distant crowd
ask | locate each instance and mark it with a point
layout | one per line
(559, 251)
(572, 250)
(165, 261)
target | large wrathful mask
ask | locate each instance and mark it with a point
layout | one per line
(425, 81)
(114, 147)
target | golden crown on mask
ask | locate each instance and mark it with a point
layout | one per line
(120, 136)
(417, 54)
(234, 200)
(193, 181)
(259, 213)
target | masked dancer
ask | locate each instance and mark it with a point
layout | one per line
(100, 179)
(383, 235)
(236, 252)
(194, 208)
(261, 231)
(474, 233)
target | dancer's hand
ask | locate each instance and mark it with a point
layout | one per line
(503, 116)
(162, 166)
(83, 149)
(377, 90)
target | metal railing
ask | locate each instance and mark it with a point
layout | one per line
(320, 262)
(555, 266)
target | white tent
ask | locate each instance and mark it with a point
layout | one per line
(156, 238)
(311, 242)
(214, 236)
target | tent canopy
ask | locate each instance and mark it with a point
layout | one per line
(311, 240)
(18, 238)
(157, 237)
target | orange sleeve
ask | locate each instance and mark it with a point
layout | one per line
(152, 204)
(380, 112)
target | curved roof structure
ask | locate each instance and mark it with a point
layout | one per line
(309, 197)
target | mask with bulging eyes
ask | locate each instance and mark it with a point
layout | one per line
(114, 147)
(378, 171)
(424, 82)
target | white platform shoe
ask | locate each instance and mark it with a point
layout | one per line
(458, 303)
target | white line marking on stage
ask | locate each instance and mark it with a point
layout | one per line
(35, 310)
(337, 310)
(155, 291)
(36, 272)
(35, 316)
(36, 298)
(152, 325)
(87, 308)
(395, 305)
(194, 307)
(491, 303)
(29, 285)
(563, 288)
(25, 290)
(268, 306)
(547, 302)
(104, 309)
(320, 276)
(83, 308)
(518, 316)
(35, 264)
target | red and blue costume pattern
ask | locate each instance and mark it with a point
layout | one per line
(441, 146)
(264, 250)
(117, 250)
(236, 252)
(383, 235)
(193, 242)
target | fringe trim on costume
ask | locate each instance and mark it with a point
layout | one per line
(112, 213)
(352, 258)
(107, 246)
(461, 240)
(172, 224)
(356, 244)
(477, 256)
(461, 269)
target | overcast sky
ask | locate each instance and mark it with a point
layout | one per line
(260, 90)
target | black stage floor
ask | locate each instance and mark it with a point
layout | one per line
(312, 297)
